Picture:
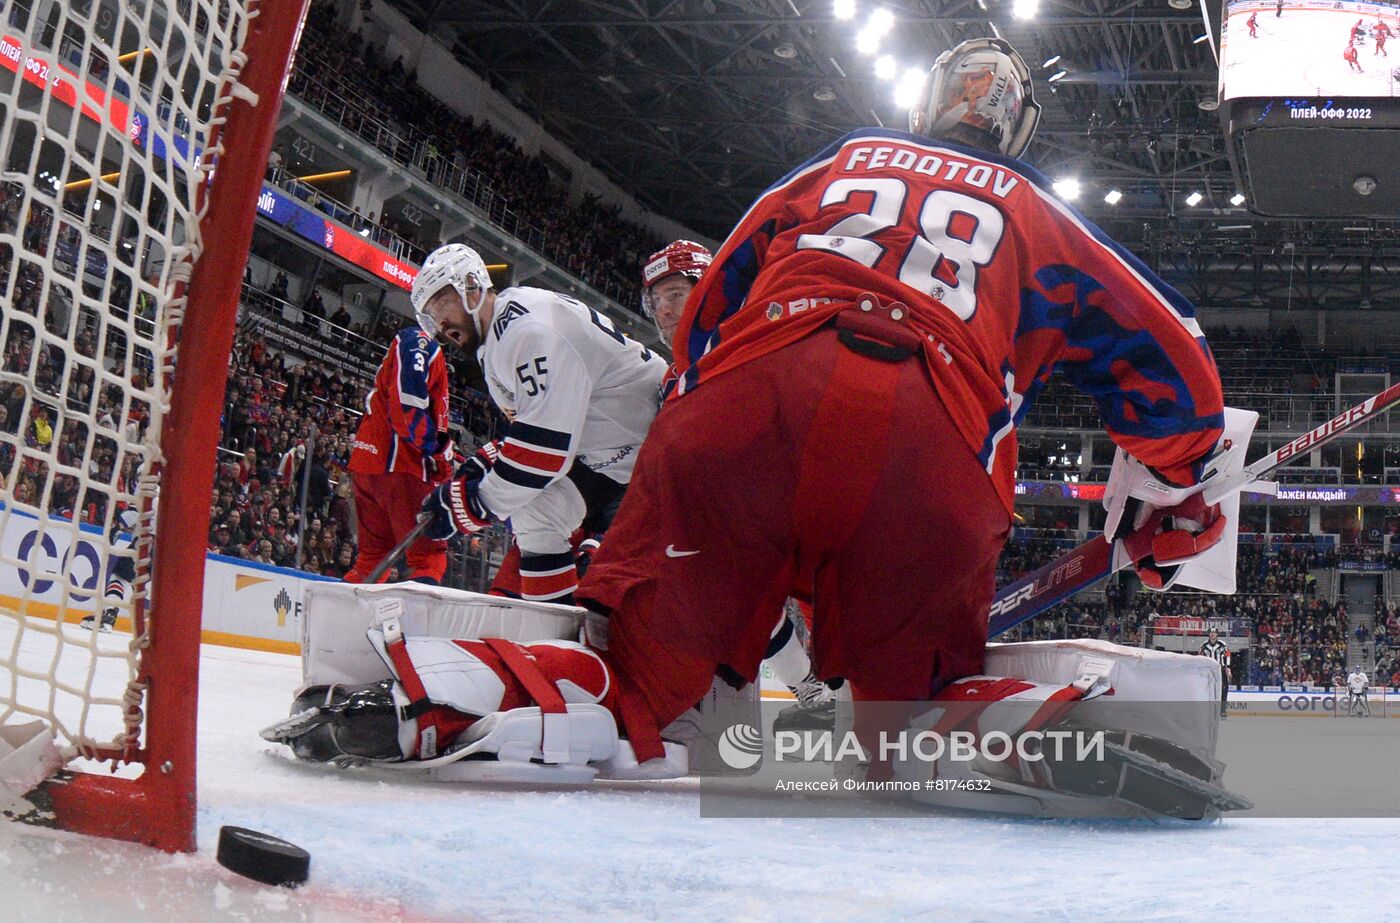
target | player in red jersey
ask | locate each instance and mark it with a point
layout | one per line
(919, 293)
(1382, 32)
(1253, 23)
(1350, 56)
(401, 452)
(668, 276)
(852, 368)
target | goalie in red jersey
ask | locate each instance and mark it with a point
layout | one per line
(850, 373)
(851, 370)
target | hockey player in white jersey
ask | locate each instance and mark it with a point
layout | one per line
(1357, 684)
(121, 570)
(580, 395)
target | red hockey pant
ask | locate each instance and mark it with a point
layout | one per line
(812, 472)
(387, 506)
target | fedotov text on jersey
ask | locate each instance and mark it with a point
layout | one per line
(978, 175)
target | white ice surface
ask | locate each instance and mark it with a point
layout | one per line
(399, 850)
(1300, 54)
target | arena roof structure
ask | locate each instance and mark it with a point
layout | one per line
(695, 106)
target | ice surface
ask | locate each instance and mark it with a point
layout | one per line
(386, 849)
(1300, 53)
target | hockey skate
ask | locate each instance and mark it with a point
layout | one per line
(815, 709)
(109, 619)
(344, 725)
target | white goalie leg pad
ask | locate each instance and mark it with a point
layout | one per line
(1072, 673)
(623, 765)
(583, 734)
(539, 710)
(1142, 682)
(333, 646)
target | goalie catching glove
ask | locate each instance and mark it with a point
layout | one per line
(1163, 526)
(1160, 539)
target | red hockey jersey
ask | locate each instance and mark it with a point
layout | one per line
(406, 413)
(1005, 282)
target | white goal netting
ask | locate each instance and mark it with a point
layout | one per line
(106, 112)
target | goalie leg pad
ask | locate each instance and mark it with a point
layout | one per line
(1156, 751)
(533, 708)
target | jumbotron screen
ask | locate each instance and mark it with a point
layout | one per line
(1286, 49)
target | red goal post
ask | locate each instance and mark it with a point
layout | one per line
(179, 100)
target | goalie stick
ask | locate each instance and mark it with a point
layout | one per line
(1087, 564)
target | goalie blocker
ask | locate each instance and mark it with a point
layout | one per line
(545, 709)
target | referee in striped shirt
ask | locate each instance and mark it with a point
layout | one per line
(1217, 651)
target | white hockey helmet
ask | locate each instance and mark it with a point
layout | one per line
(456, 265)
(984, 84)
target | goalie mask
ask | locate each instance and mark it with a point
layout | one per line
(678, 258)
(982, 84)
(463, 269)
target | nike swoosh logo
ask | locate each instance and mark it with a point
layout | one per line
(671, 552)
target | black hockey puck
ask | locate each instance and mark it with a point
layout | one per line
(261, 857)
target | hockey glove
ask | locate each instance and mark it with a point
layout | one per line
(480, 463)
(438, 465)
(583, 554)
(456, 509)
(1162, 539)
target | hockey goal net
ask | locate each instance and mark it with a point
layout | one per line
(134, 136)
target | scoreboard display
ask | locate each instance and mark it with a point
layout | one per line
(1310, 103)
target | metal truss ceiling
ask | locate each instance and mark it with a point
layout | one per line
(694, 106)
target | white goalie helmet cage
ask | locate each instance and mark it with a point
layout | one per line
(984, 84)
(455, 265)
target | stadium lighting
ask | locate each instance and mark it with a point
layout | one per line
(881, 21)
(1067, 189)
(885, 67)
(1025, 9)
(1050, 63)
(867, 42)
(1237, 199)
(1194, 199)
(907, 90)
(1058, 75)
(844, 9)
(1113, 197)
